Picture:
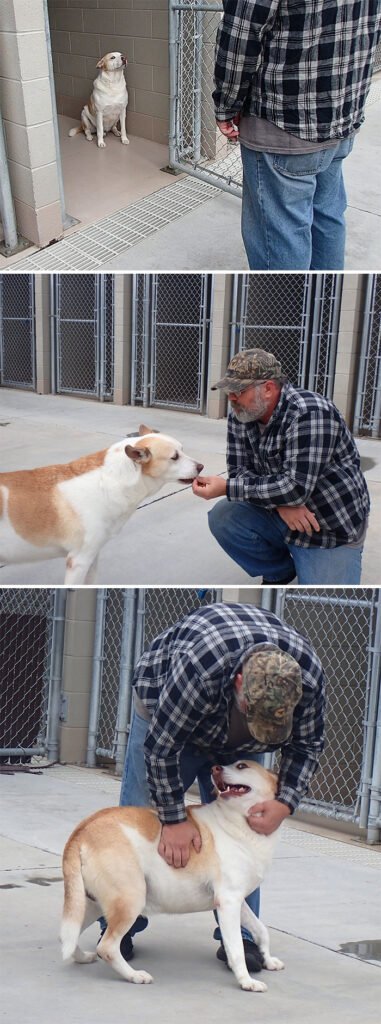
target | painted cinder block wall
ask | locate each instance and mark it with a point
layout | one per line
(27, 114)
(82, 31)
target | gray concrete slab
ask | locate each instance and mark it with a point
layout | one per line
(318, 894)
(210, 237)
(167, 542)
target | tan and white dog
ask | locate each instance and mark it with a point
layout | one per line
(72, 509)
(108, 102)
(111, 865)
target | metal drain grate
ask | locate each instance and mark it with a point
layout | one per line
(96, 244)
(332, 848)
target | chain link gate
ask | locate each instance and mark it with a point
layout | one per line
(195, 143)
(83, 335)
(17, 331)
(170, 339)
(127, 621)
(294, 316)
(344, 627)
(367, 418)
(31, 636)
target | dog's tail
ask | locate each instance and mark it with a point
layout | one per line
(74, 901)
(76, 131)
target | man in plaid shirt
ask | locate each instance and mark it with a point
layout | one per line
(227, 682)
(291, 80)
(296, 502)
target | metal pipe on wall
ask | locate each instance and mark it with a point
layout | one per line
(127, 652)
(7, 209)
(96, 677)
(54, 705)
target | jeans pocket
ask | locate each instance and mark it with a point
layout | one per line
(298, 165)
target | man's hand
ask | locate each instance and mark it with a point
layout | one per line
(176, 841)
(230, 128)
(299, 517)
(209, 487)
(265, 817)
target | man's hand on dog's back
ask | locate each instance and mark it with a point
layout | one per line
(176, 841)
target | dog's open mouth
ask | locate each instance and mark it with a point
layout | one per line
(225, 789)
(187, 479)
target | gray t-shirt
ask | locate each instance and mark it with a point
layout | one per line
(265, 136)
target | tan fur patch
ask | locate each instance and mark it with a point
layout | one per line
(36, 512)
(91, 104)
(160, 451)
(270, 777)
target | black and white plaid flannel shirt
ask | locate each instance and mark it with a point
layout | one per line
(305, 65)
(305, 456)
(185, 681)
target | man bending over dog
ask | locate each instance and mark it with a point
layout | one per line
(227, 681)
(295, 501)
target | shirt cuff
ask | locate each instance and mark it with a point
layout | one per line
(173, 815)
(289, 797)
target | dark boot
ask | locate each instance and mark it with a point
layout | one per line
(253, 956)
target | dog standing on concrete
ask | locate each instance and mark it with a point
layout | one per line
(108, 102)
(73, 508)
(112, 866)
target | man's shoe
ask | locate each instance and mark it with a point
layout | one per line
(126, 945)
(253, 956)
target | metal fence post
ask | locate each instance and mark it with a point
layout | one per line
(127, 650)
(368, 316)
(173, 96)
(374, 820)
(54, 705)
(96, 678)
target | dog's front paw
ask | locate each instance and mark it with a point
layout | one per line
(101, 144)
(250, 985)
(142, 978)
(125, 142)
(273, 964)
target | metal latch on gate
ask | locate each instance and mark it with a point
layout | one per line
(63, 708)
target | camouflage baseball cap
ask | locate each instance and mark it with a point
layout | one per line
(254, 364)
(272, 685)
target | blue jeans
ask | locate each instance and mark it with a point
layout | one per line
(293, 209)
(254, 537)
(134, 789)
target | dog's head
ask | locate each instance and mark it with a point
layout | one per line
(161, 457)
(112, 62)
(243, 784)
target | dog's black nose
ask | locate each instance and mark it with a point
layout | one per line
(199, 467)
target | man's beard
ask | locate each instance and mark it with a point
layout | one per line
(249, 415)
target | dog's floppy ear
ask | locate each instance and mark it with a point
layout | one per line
(101, 63)
(147, 430)
(138, 452)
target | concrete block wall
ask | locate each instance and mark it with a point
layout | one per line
(77, 672)
(82, 31)
(220, 341)
(27, 113)
(122, 338)
(349, 344)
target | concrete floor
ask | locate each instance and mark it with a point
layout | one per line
(114, 176)
(167, 542)
(199, 240)
(319, 893)
(209, 237)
